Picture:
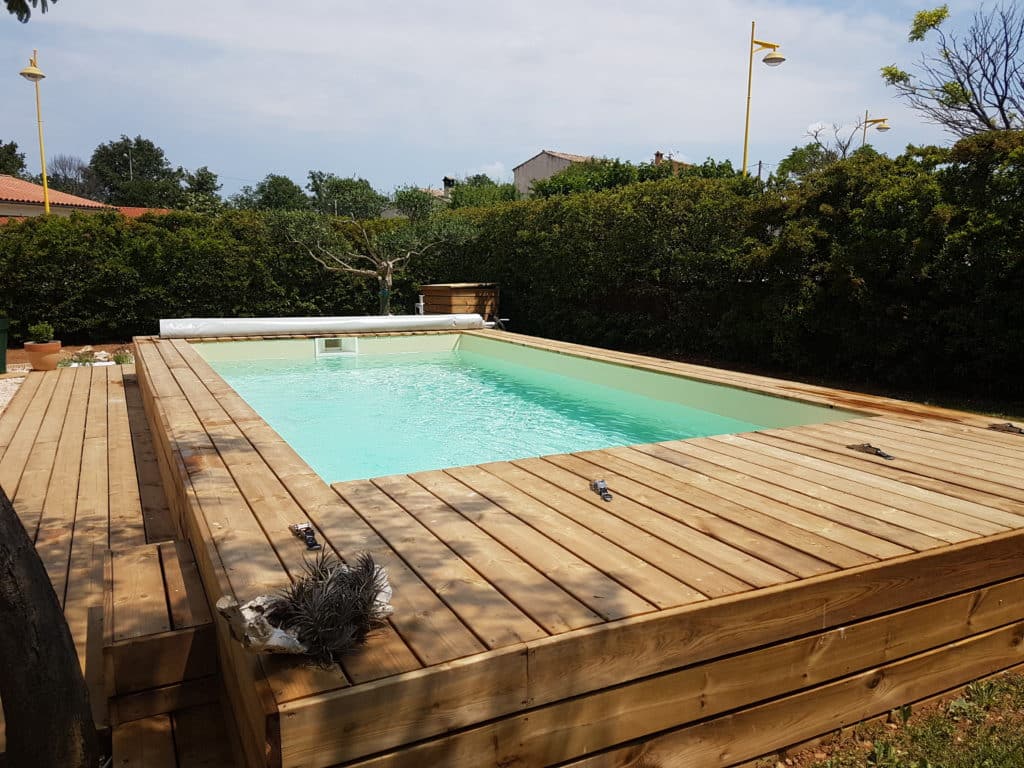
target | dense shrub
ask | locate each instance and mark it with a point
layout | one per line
(904, 272)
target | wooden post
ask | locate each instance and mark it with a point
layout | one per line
(45, 699)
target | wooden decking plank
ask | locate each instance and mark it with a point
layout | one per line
(920, 462)
(185, 598)
(941, 455)
(56, 525)
(588, 585)
(1005, 443)
(762, 497)
(747, 478)
(555, 487)
(140, 605)
(127, 527)
(535, 594)
(156, 513)
(295, 488)
(90, 538)
(932, 503)
(16, 456)
(35, 479)
(12, 414)
(629, 570)
(728, 522)
(873, 518)
(564, 730)
(955, 442)
(431, 629)
(489, 614)
(707, 537)
(147, 743)
(201, 737)
(926, 519)
(838, 453)
(435, 701)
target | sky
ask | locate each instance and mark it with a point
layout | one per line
(408, 92)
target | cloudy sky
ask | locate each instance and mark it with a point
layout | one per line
(407, 92)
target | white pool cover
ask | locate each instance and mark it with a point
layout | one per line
(217, 327)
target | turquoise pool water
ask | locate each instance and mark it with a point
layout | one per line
(379, 414)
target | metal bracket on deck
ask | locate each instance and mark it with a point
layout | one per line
(305, 532)
(869, 448)
(1006, 426)
(600, 487)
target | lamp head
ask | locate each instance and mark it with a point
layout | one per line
(773, 58)
(883, 126)
(32, 71)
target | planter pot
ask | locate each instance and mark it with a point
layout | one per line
(44, 356)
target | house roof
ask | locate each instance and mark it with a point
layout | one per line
(134, 212)
(564, 155)
(15, 190)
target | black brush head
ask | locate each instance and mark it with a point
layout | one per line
(331, 606)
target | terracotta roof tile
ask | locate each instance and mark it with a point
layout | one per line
(14, 190)
(133, 212)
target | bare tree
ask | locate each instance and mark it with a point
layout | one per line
(377, 252)
(45, 699)
(973, 83)
(72, 175)
(838, 147)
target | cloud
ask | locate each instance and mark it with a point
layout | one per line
(385, 88)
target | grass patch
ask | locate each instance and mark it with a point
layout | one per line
(982, 728)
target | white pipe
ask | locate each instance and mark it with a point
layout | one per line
(216, 327)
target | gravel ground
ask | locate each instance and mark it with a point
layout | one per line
(7, 389)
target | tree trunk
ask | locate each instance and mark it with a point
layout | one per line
(385, 281)
(46, 703)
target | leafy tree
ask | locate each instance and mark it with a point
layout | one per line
(415, 203)
(373, 250)
(591, 176)
(971, 84)
(709, 169)
(21, 9)
(67, 173)
(12, 162)
(351, 197)
(274, 193)
(200, 193)
(135, 172)
(479, 191)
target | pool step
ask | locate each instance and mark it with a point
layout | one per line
(159, 648)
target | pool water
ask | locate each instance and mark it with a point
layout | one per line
(370, 415)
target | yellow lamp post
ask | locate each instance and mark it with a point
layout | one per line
(880, 123)
(772, 59)
(35, 74)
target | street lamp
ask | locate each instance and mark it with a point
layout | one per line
(772, 59)
(35, 74)
(880, 123)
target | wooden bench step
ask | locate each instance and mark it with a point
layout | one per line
(157, 625)
(187, 738)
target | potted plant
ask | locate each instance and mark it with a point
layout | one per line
(43, 352)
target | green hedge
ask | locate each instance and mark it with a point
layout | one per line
(896, 273)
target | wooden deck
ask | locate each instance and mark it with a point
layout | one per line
(77, 460)
(739, 593)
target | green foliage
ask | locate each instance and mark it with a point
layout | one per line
(200, 193)
(274, 193)
(925, 21)
(416, 203)
(591, 176)
(12, 162)
(803, 160)
(972, 82)
(481, 191)
(40, 333)
(135, 172)
(22, 9)
(352, 197)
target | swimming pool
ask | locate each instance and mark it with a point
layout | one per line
(380, 405)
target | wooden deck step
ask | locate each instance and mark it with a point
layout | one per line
(187, 738)
(158, 629)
